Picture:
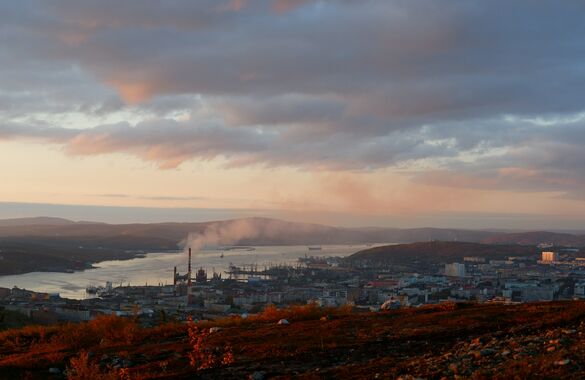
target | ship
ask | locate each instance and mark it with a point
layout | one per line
(238, 248)
(91, 289)
(314, 248)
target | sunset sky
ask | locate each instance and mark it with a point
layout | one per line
(456, 113)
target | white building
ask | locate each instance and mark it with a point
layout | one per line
(580, 289)
(455, 270)
(550, 257)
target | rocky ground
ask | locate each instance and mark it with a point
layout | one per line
(542, 341)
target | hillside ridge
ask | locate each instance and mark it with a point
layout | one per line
(540, 340)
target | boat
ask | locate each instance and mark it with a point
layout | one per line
(314, 248)
(238, 248)
(91, 289)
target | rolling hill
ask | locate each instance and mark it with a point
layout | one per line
(253, 231)
(441, 252)
(49, 243)
(537, 237)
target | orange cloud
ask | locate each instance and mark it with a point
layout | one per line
(375, 193)
(282, 6)
(133, 93)
(232, 6)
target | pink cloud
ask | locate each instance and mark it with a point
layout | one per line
(232, 6)
(282, 6)
(133, 93)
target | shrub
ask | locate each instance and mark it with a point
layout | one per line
(81, 368)
(102, 330)
(202, 356)
(310, 311)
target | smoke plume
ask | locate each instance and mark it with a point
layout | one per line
(220, 234)
(248, 231)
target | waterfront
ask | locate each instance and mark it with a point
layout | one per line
(157, 268)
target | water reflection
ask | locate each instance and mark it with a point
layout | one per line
(157, 268)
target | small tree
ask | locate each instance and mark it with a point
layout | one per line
(80, 368)
(203, 357)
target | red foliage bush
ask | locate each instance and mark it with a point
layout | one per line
(81, 368)
(108, 329)
(306, 312)
(203, 356)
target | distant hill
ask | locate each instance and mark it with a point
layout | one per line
(54, 255)
(537, 237)
(48, 244)
(252, 231)
(441, 252)
(41, 220)
(34, 238)
(264, 231)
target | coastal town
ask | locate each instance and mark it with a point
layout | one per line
(553, 274)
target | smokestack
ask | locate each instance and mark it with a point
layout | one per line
(189, 270)
(175, 277)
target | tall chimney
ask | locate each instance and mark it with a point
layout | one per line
(175, 277)
(189, 298)
(189, 269)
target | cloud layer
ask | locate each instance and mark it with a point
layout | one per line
(458, 93)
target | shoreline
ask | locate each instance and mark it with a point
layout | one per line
(89, 264)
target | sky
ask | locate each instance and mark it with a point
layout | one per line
(458, 113)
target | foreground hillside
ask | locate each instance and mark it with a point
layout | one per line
(545, 340)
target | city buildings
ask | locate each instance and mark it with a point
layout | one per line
(455, 270)
(327, 282)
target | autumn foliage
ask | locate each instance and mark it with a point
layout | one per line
(341, 343)
(204, 356)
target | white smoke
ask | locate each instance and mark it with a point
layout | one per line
(225, 233)
(235, 231)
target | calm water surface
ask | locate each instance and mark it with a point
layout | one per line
(157, 268)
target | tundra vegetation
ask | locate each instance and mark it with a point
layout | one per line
(540, 340)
